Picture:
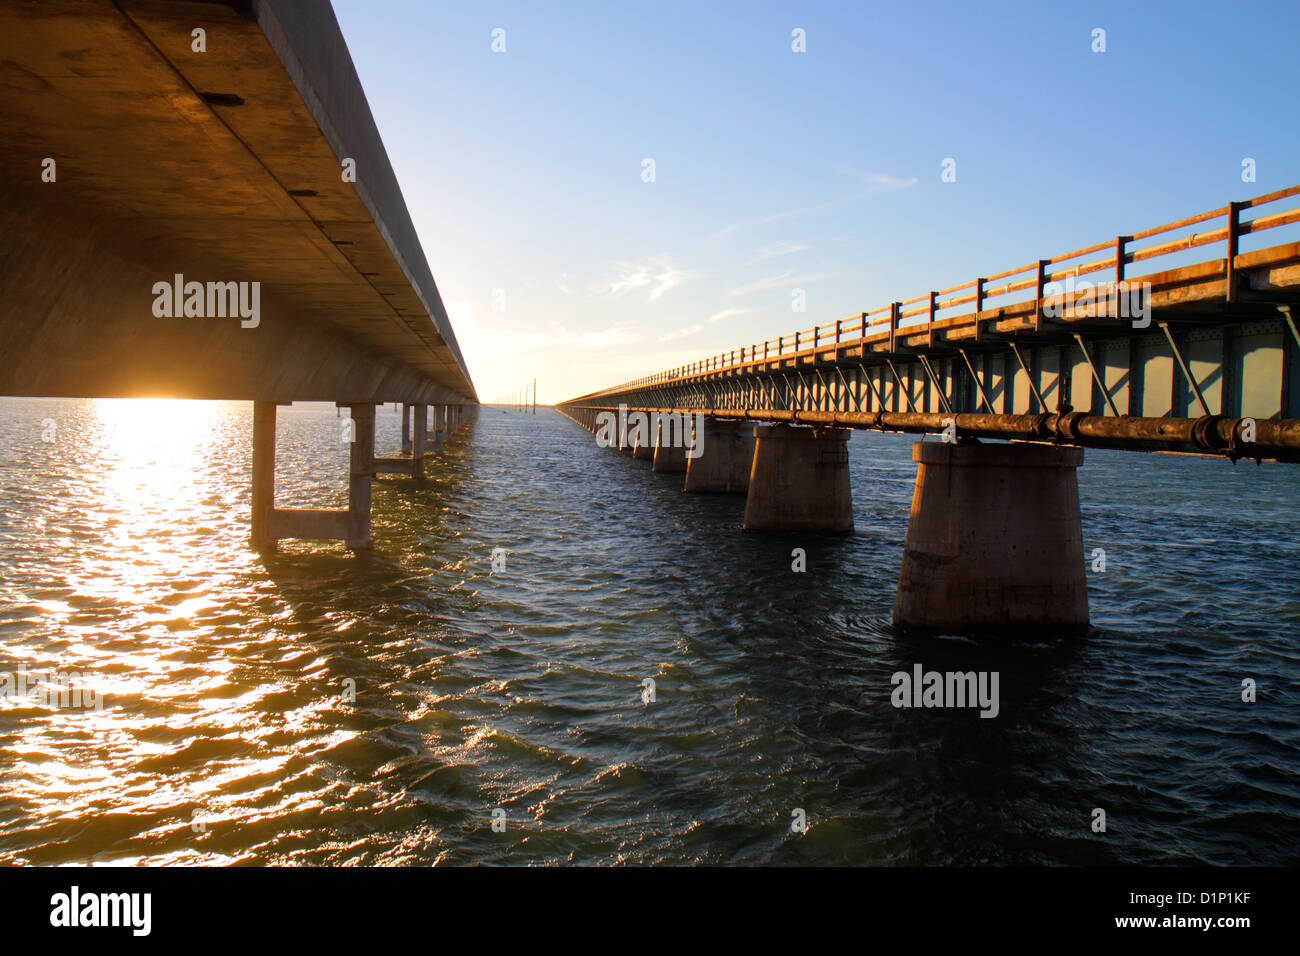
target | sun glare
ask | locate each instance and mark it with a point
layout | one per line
(152, 448)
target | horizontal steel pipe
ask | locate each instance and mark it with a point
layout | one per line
(1275, 439)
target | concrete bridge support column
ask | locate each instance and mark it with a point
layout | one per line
(643, 443)
(440, 424)
(406, 429)
(624, 431)
(670, 457)
(726, 455)
(412, 462)
(995, 542)
(361, 474)
(800, 480)
(263, 475)
(421, 433)
(271, 524)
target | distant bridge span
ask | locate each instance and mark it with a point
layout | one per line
(1079, 350)
(147, 146)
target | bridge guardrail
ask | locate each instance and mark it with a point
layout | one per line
(855, 330)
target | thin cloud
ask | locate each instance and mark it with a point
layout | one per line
(775, 249)
(655, 274)
(873, 183)
(727, 313)
(786, 280)
(681, 333)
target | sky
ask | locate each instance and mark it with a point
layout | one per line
(561, 258)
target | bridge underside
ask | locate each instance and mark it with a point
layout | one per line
(220, 165)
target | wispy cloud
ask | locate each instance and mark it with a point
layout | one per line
(786, 280)
(474, 336)
(772, 250)
(680, 333)
(727, 313)
(871, 183)
(657, 274)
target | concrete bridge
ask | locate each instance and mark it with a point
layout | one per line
(195, 203)
(1079, 350)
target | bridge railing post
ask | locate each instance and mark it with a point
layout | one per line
(1038, 295)
(1234, 229)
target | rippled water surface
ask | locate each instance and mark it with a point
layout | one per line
(227, 733)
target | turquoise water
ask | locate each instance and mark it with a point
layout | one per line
(227, 733)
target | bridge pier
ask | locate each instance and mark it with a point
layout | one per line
(995, 542)
(432, 439)
(726, 456)
(622, 425)
(643, 443)
(406, 428)
(670, 457)
(413, 465)
(800, 480)
(361, 474)
(270, 524)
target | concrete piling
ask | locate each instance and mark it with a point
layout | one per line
(800, 480)
(995, 542)
(670, 455)
(726, 457)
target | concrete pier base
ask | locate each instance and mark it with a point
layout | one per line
(643, 449)
(800, 480)
(670, 449)
(726, 457)
(994, 543)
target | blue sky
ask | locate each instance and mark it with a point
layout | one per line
(776, 170)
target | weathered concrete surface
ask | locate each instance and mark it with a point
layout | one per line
(221, 166)
(800, 480)
(668, 457)
(995, 542)
(725, 459)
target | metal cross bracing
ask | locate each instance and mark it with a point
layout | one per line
(1212, 366)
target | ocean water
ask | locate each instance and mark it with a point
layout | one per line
(315, 707)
